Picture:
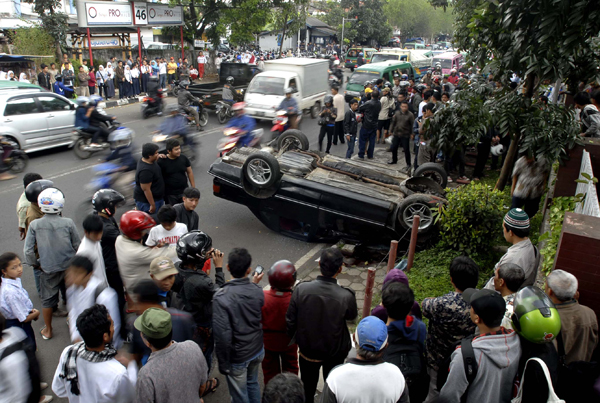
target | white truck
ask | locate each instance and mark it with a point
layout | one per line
(266, 90)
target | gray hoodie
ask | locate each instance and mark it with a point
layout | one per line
(497, 356)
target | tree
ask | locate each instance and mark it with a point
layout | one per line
(32, 40)
(246, 21)
(333, 15)
(539, 40)
(290, 17)
(370, 25)
(54, 22)
(417, 18)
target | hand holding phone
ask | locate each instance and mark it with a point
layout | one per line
(258, 274)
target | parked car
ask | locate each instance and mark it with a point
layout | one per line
(34, 120)
(373, 71)
(317, 197)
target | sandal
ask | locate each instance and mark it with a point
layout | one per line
(214, 382)
(44, 337)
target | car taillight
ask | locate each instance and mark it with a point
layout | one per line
(216, 188)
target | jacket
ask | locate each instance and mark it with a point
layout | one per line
(289, 105)
(61, 89)
(184, 98)
(317, 318)
(109, 237)
(196, 290)
(371, 111)
(96, 118)
(590, 117)
(120, 73)
(81, 118)
(83, 79)
(57, 241)
(497, 357)
(327, 112)
(237, 328)
(44, 80)
(579, 329)
(350, 123)
(402, 124)
(387, 104)
(339, 103)
(273, 320)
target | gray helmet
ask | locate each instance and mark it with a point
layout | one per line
(289, 90)
(328, 99)
(184, 84)
(172, 108)
(229, 80)
(82, 101)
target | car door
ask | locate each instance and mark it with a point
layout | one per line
(22, 114)
(59, 115)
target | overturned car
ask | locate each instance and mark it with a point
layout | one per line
(313, 196)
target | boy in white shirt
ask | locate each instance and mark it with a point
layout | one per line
(88, 371)
(90, 247)
(169, 231)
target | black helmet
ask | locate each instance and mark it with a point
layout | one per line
(420, 88)
(107, 200)
(229, 80)
(328, 99)
(184, 84)
(193, 247)
(33, 190)
(58, 77)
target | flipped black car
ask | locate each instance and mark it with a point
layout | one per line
(320, 197)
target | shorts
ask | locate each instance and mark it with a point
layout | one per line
(383, 124)
(50, 285)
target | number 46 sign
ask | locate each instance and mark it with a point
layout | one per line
(140, 14)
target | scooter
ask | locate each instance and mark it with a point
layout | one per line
(281, 123)
(202, 114)
(14, 159)
(224, 112)
(82, 140)
(233, 136)
(153, 105)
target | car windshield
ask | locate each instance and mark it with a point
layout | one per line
(446, 63)
(266, 85)
(360, 77)
(382, 58)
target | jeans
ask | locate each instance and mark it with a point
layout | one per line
(309, 373)
(366, 136)
(145, 207)
(96, 133)
(162, 80)
(338, 132)
(242, 380)
(326, 129)
(351, 143)
(531, 206)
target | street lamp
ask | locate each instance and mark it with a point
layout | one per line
(343, 24)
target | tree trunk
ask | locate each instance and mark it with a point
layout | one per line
(58, 50)
(283, 35)
(509, 161)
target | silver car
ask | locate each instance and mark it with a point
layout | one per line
(36, 121)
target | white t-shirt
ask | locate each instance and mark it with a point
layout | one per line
(201, 59)
(160, 234)
(421, 105)
(162, 68)
(93, 251)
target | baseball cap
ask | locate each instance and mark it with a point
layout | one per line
(487, 304)
(368, 90)
(371, 334)
(154, 323)
(162, 267)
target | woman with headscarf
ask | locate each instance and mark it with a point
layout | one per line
(127, 88)
(11, 75)
(101, 77)
(3, 76)
(135, 79)
(109, 88)
(154, 67)
(395, 276)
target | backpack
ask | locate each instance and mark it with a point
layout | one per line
(33, 368)
(469, 363)
(409, 357)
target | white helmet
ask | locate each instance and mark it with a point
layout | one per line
(122, 136)
(51, 201)
(497, 150)
(289, 90)
(336, 62)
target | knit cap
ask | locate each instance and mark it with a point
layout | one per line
(517, 219)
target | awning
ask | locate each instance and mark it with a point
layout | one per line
(5, 58)
(322, 31)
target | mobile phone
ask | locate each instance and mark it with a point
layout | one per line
(258, 271)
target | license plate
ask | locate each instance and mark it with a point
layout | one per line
(260, 114)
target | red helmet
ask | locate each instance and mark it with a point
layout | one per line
(134, 223)
(282, 275)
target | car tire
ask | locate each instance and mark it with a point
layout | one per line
(314, 111)
(433, 171)
(261, 170)
(78, 148)
(421, 204)
(292, 139)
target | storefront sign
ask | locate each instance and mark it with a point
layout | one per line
(164, 15)
(104, 42)
(103, 14)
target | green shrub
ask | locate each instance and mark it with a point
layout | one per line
(472, 219)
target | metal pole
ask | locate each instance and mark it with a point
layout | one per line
(392, 255)
(342, 44)
(182, 51)
(413, 241)
(369, 292)
(90, 47)
(139, 44)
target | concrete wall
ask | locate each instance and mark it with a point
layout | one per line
(269, 42)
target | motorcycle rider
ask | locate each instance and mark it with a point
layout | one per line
(82, 120)
(290, 106)
(96, 118)
(337, 71)
(153, 92)
(184, 98)
(174, 124)
(120, 143)
(229, 93)
(243, 122)
(60, 88)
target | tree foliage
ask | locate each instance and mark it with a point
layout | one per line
(246, 21)
(371, 24)
(289, 16)
(417, 18)
(32, 40)
(54, 22)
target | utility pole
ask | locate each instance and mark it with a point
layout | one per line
(344, 19)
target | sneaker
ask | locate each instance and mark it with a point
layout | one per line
(46, 399)
(450, 180)
(406, 169)
(391, 162)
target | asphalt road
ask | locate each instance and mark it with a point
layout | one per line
(230, 225)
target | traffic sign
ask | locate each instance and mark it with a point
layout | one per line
(140, 14)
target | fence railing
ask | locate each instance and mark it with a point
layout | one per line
(589, 205)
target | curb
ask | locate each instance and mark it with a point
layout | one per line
(124, 102)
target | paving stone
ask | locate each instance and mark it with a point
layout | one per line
(363, 275)
(354, 272)
(359, 304)
(357, 286)
(344, 283)
(360, 295)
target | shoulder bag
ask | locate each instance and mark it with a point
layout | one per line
(552, 398)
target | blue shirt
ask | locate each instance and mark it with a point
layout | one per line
(174, 125)
(61, 89)
(14, 300)
(81, 120)
(245, 123)
(289, 103)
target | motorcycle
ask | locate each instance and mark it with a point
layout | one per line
(202, 114)
(189, 150)
(233, 136)
(281, 123)
(82, 140)
(335, 78)
(14, 159)
(153, 105)
(224, 112)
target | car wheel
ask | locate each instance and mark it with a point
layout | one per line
(314, 111)
(79, 149)
(261, 170)
(433, 171)
(417, 204)
(203, 118)
(292, 139)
